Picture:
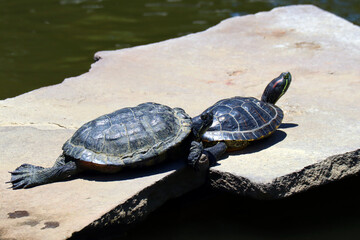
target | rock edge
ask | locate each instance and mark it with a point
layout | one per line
(331, 169)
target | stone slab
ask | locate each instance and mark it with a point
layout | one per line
(321, 107)
(56, 211)
(238, 57)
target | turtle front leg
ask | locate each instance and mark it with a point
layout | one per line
(196, 150)
(208, 156)
(27, 175)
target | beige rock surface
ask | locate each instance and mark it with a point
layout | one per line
(321, 107)
(237, 57)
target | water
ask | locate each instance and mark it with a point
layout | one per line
(44, 41)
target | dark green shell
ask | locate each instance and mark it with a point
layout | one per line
(130, 136)
(242, 119)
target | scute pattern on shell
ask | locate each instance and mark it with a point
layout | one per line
(241, 118)
(129, 135)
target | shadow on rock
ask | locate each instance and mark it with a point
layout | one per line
(265, 143)
(259, 145)
(133, 173)
(288, 125)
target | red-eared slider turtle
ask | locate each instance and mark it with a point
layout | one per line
(240, 120)
(129, 137)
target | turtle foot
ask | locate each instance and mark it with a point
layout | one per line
(203, 164)
(196, 150)
(24, 176)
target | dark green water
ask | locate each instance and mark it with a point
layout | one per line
(44, 41)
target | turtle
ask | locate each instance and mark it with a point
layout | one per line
(241, 120)
(129, 137)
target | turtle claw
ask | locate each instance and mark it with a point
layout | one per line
(18, 185)
(22, 177)
(21, 183)
(26, 167)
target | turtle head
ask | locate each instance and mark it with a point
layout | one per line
(201, 124)
(276, 88)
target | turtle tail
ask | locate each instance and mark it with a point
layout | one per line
(27, 175)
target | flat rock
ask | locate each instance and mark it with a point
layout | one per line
(238, 57)
(321, 107)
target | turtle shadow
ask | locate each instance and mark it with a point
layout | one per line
(288, 125)
(265, 143)
(259, 145)
(134, 173)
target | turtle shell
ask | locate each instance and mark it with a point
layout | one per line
(130, 136)
(242, 119)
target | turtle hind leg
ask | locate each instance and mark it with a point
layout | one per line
(27, 175)
(22, 176)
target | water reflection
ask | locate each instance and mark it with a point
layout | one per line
(64, 2)
(42, 43)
